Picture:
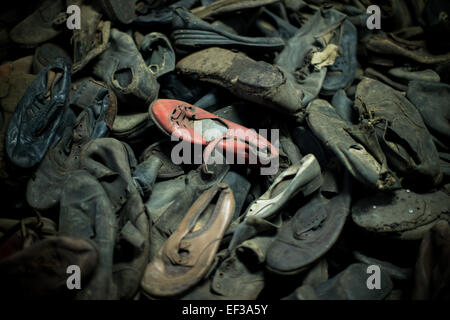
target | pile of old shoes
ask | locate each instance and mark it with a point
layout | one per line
(224, 149)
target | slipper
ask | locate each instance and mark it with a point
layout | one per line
(187, 255)
(311, 232)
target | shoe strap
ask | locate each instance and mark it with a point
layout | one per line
(251, 149)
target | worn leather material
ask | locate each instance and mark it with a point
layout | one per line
(224, 6)
(188, 253)
(40, 271)
(91, 39)
(341, 74)
(234, 280)
(431, 99)
(39, 27)
(256, 81)
(177, 118)
(99, 107)
(401, 214)
(385, 44)
(121, 11)
(162, 16)
(401, 132)
(362, 157)
(140, 86)
(171, 198)
(21, 234)
(432, 275)
(191, 34)
(40, 117)
(349, 284)
(295, 59)
(303, 177)
(46, 53)
(101, 202)
(158, 53)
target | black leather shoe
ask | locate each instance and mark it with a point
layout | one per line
(40, 117)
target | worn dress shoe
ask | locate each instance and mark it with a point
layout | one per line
(355, 146)
(310, 233)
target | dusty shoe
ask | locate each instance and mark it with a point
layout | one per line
(122, 11)
(231, 280)
(98, 107)
(304, 177)
(256, 81)
(48, 21)
(157, 53)
(154, 163)
(431, 98)
(188, 253)
(15, 78)
(91, 39)
(401, 132)
(350, 284)
(46, 53)
(40, 117)
(16, 235)
(341, 74)
(40, 271)
(191, 34)
(234, 280)
(362, 157)
(162, 15)
(311, 232)
(406, 74)
(432, 276)
(131, 125)
(271, 25)
(385, 44)
(402, 214)
(313, 49)
(343, 105)
(102, 203)
(377, 75)
(122, 67)
(170, 197)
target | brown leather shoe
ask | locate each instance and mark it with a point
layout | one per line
(187, 255)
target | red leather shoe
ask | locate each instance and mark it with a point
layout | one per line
(198, 126)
